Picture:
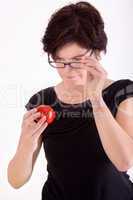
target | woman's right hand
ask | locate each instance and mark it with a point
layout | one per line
(31, 130)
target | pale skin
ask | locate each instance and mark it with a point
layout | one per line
(115, 133)
(81, 87)
(76, 90)
(21, 166)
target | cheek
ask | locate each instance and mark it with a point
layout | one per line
(83, 74)
(60, 72)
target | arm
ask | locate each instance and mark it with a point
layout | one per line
(116, 141)
(21, 166)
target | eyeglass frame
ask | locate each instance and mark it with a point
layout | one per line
(67, 63)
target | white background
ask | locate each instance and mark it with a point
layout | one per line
(24, 70)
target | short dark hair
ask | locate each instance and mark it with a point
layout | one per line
(81, 23)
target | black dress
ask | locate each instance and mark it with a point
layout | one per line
(77, 165)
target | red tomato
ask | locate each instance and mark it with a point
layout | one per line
(48, 111)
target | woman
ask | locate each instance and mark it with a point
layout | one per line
(89, 145)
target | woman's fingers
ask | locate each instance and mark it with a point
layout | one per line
(40, 123)
(40, 127)
(93, 64)
(34, 116)
(40, 130)
(93, 71)
(97, 66)
(29, 113)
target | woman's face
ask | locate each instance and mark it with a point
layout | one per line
(71, 76)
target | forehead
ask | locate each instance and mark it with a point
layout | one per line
(70, 51)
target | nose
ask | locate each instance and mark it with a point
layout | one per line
(69, 64)
(68, 68)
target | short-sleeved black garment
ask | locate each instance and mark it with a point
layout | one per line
(77, 165)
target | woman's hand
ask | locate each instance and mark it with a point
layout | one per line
(98, 75)
(31, 130)
(21, 165)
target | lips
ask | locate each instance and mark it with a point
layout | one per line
(71, 76)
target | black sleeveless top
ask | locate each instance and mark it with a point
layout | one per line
(77, 165)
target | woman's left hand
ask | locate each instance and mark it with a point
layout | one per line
(98, 74)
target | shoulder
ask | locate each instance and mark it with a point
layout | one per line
(114, 86)
(124, 115)
(38, 98)
(123, 89)
(125, 95)
(116, 92)
(122, 95)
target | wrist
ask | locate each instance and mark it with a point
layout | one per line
(98, 103)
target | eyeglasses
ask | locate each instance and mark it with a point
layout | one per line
(61, 64)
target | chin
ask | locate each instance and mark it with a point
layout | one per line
(76, 83)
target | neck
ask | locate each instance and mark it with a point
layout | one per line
(75, 90)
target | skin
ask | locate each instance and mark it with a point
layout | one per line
(114, 132)
(76, 89)
(21, 165)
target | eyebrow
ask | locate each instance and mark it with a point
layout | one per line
(80, 55)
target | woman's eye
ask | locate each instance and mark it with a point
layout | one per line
(57, 60)
(73, 60)
(77, 59)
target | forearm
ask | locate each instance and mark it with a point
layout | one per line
(117, 144)
(20, 168)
